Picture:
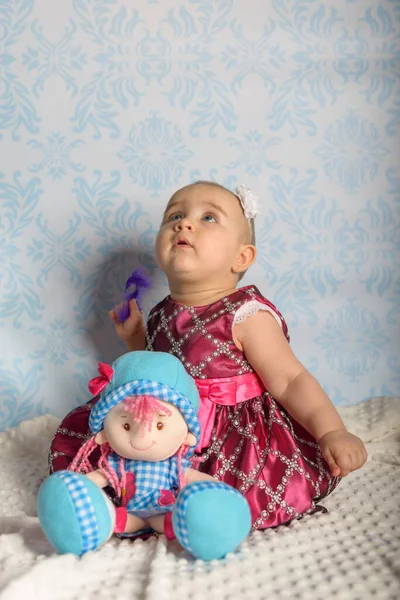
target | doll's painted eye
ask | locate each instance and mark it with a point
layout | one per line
(126, 426)
(160, 425)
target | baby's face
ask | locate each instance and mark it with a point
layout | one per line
(134, 440)
(201, 235)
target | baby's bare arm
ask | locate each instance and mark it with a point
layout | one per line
(287, 380)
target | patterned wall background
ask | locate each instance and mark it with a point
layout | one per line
(108, 106)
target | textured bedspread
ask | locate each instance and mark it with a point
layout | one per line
(353, 552)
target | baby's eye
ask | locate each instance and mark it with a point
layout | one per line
(126, 426)
(175, 217)
(209, 218)
(160, 425)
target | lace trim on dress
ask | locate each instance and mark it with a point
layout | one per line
(251, 308)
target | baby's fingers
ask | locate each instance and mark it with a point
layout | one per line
(334, 467)
(351, 461)
(113, 316)
(135, 316)
(361, 458)
(134, 309)
(347, 462)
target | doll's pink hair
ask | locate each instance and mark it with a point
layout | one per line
(143, 408)
(82, 464)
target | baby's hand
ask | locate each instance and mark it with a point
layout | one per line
(133, 328)
(343, 451)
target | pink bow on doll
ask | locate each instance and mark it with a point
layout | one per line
(97, 384)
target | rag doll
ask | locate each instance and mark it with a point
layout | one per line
(146, 425)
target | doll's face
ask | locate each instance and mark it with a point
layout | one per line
(137, 441)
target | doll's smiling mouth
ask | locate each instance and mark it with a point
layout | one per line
(142, 449)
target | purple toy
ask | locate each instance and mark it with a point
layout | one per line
(140, 281)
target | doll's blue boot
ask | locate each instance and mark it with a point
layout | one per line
(75, 514)
(210, 519)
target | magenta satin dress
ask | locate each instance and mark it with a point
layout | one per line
(252, 444)
(255, 446)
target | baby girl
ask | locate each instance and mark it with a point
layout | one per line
(268, 428)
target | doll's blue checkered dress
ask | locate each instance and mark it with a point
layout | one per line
(150, 479)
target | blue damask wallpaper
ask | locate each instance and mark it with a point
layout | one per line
(108, 106)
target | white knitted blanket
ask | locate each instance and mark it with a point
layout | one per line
(353, 552)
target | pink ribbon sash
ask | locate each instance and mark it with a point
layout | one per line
(225, 391)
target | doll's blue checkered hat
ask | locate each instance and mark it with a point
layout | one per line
(157, 374)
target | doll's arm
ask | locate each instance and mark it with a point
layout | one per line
(98, 478)
(193, 475)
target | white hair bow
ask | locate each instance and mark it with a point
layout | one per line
(248, 200)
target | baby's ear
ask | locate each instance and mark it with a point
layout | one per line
(189, 440)
(101, 438)
(245, 258)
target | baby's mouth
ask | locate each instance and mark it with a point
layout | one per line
(182, 243)
(142, 449)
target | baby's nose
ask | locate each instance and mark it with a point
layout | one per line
(184, 224)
